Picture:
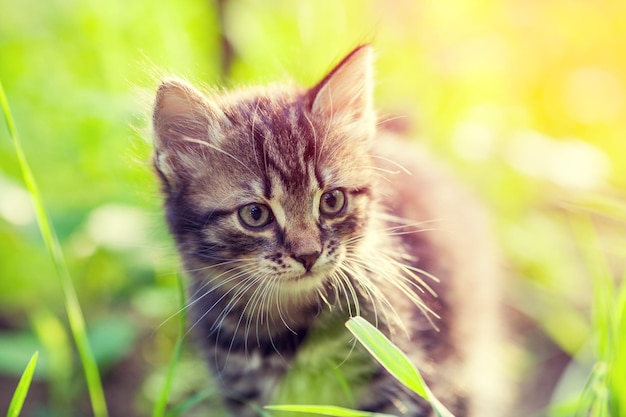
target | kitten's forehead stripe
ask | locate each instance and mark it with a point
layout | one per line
(284, 141)
(293, 178)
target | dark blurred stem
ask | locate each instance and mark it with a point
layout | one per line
(226, 47)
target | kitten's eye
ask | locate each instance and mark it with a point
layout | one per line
(255, 215)
(332, 202)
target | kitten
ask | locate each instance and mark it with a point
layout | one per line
(292, 213)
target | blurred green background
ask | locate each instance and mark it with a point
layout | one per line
(525, 100)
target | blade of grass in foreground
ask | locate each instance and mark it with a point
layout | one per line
(391, 358)
(324, 410)
(394, 361)
(161, 403)
(617, 376)
(72, 305)
(182, 408)
(604, 393)
(22, 387)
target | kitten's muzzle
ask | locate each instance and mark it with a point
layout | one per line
(307, 260)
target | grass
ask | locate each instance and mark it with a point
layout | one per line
(72, 305)
(161, 403)
(15, 407)
(73, 308)
(325, 410)
(374, 341)
(69, 70)
(394, 361)
(391, 358)
(602, 396)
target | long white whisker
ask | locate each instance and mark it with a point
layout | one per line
(228, 310)
(219, 300)
(363, 284)
(216, 148)
(248, 282)
(264, 310)
(280, 312)
(254, 117)
(405, 285)
(249, 309)
(343, 279)
(236, 273)
(394, 163)
(375, 293)
(193, 301)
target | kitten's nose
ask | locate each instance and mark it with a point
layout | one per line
(308, 260)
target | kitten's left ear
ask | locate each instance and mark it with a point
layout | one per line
(185, 125)
(346, 92)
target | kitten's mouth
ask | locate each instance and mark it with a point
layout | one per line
(315, 278)
(311, 279)
(306, 281)
(303, 277)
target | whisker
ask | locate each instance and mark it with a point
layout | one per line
(248, 282)
(375, 293)
(264, 310)
(188, 305)
(209, 282)
(391, 218)
(315, 150)
(216, 148)
(280, 311)
(255, 301)
(357, 276)
(324, 299)
(227, 312)
(394, 163)
(351, 291)
(385, 120)
(252, 132)
(219, 300)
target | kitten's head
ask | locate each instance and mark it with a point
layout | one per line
(271, 186)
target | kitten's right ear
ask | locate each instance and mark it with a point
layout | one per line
(345, 93)
(185, 123)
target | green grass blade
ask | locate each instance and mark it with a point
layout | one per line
(324, 410)
(394, 361)
(22, 387)
(182, 408)
(72, 305)
(617, 371)
(593, 401)
(602, 284)
(389, 356)
(161, 403)
(604, 394)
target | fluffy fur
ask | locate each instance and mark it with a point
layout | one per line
(291, 212)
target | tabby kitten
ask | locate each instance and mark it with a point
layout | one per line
(292, 213)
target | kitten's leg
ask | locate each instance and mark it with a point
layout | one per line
(247, 379)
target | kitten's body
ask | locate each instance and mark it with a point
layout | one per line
(290, 217)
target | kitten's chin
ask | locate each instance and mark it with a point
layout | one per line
(304, 283)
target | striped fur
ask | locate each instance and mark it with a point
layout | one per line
(289, 215)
